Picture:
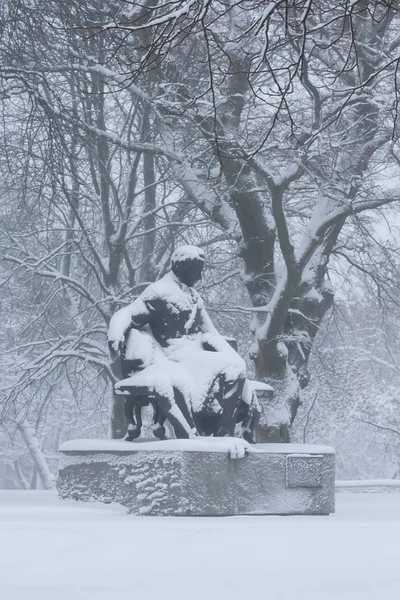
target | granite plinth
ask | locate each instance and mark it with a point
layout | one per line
(201, 477)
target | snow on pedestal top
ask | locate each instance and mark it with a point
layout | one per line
(201, 444)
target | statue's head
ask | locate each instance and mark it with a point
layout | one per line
(187, 264)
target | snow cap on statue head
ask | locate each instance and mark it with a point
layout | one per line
(183, 253)
(187, 264)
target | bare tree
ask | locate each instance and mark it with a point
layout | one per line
(353, 399)
(292, 114)
(265, 127)
(90, 216)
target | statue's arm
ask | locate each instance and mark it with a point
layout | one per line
(207, 326)
(135, 316)
(213, 337)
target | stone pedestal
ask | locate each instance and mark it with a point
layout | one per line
(201, 477)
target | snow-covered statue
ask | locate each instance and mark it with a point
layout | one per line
(173, 357)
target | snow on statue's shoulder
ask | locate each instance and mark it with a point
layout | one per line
(162, 288)
(167, 289)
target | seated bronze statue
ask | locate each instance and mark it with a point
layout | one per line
(173, 357)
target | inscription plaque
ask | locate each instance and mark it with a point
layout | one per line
(303, 471)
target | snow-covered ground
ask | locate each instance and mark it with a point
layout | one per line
(54, 550)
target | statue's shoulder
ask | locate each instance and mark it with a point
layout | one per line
(163, 289)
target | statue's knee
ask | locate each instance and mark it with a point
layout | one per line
(132, 433)
(159, 432)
